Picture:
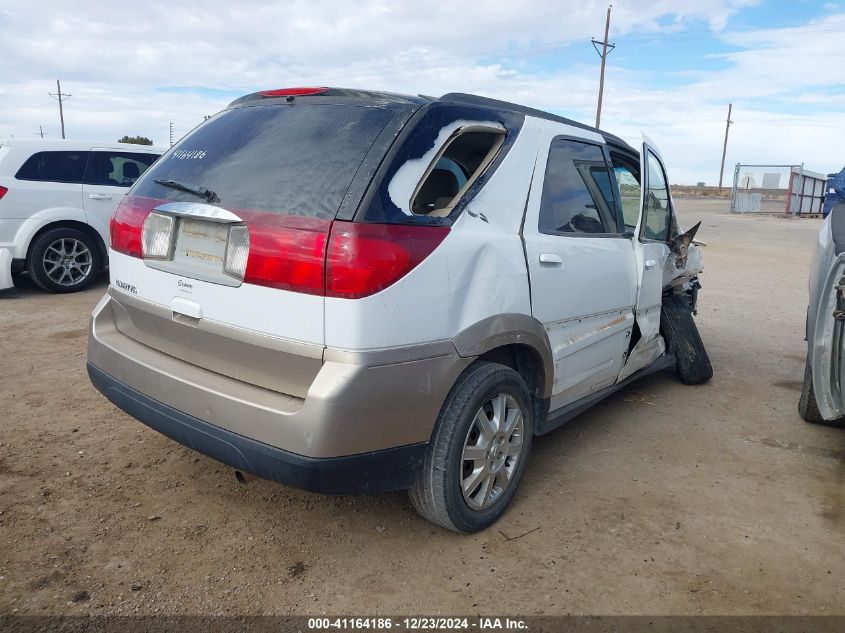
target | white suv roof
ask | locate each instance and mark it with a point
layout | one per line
(74, 144)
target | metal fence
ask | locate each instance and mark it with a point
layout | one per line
(789, 189)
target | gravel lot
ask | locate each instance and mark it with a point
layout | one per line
(664, 499)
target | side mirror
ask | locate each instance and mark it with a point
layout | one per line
(680, 245)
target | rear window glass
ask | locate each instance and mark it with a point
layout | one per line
(293, 160)
(54, 167)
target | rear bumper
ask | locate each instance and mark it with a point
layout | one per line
(357, 403)
(377, 471)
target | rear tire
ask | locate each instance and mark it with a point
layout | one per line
(684, 341)
(807, 407)
(63, 260)
(478, 451)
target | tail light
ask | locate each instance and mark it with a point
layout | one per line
(157, 236)
(363, 259)
(286, 252)
(126, 225)
(341, 259)
(348, 260)
(3, 191)
(237, 251)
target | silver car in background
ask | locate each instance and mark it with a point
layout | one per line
(823, 393)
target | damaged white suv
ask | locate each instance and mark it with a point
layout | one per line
(352, 291)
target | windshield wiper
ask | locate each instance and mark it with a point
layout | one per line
(200, 192)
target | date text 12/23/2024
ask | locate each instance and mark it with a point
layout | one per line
(421, 623)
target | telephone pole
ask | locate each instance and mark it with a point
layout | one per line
(725, 146)
(605, 49)
(41, 131)
(60, 96)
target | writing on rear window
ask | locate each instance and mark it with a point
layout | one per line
(188, 154)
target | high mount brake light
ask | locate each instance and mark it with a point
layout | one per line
(293, 92)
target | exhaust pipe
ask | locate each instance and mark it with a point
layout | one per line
(244, 477)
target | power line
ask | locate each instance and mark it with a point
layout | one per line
(60, 96)
(605, 49)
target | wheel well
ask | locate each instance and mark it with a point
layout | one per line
(528, 363)
(79, 226)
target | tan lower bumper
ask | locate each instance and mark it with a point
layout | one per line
(359, 405)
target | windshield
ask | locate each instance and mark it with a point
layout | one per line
(293, 160)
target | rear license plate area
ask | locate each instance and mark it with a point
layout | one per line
(199, 252)
(202, 244)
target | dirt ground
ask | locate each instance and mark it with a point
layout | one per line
(665, 499)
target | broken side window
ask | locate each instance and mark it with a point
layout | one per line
(455, 167)
(444, 156)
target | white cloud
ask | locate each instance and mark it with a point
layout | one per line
(116, 59)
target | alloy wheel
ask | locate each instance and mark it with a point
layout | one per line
(68, 262)
(492, 450)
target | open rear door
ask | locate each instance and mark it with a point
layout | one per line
(652, 255)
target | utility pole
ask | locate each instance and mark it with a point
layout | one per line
(61, 97)
(606, 47)
(725, 146)
(171, 134)
(41, 131)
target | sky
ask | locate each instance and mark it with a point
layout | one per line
(135, 68)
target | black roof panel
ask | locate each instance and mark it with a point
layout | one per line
(388, 98)
(460, 97)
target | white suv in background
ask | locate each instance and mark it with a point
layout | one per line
(56, 198)
(352, 291)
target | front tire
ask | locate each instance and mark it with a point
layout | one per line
(478, 451)
(63, 260)
(684, 341)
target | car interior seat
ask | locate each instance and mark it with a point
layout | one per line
(438, 190)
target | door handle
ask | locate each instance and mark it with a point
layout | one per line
(550, 258)
(99, 196)
(650, 264)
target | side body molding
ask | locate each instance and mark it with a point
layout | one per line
(508, 329)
